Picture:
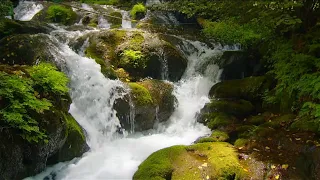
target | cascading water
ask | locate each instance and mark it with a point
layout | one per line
(26, 10)
(111, 156)
(126, 21)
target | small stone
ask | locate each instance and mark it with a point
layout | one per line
(204, 165)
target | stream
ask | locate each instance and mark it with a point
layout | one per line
(113, 155)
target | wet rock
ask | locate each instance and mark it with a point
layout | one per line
(21, 157)
(216, 160)
(139, 53)
(24, 49)
(10, 27)
(149, 102)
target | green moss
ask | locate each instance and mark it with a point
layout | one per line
(73, 126)
(133, 60)
(115, 18)
(216, 136)
(217, 120)
(250, 88)
(158, 166)
(108, 71)
(237, 108)
(256, 120)
(305, 124)
(61, 14)
(101, 2)
(141, 95)
(219, 135)
(217, 160)
(136, 39)
(241, 142)
(138, 11)
(160, 91)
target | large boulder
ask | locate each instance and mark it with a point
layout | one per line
(47, 133)
(149, 102)
(250, 89)
(10, 27)
(24, 49)
(139, 53)
(54, 13)
(210, 160)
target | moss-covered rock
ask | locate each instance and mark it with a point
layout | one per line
(24, 49)
(241, 142)
(238, 108)
(11, 27)
(150, 101)
(217, 160)
(23, 155)
(305, 124)
(138, 11)
(250, 89)
(115, 18)
(139, 53)
(61, 14)
(161, 93)
(216, 136)
(219, 120)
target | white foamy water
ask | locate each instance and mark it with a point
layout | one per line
(26, 10)
(116, 156)
(126, 20)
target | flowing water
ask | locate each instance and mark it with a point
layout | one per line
(114, 156)
(26, 10)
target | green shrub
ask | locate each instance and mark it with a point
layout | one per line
(47, 78)
(6, 8)
(22, 98)
(133, 59)
(19, 102)
(61, 14)
(138, 8)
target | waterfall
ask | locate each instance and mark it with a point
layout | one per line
(115, 156)
(126, 21)
(103, 23)
(26, 10)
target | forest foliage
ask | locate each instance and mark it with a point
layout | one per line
(24, 95)
(286, 34)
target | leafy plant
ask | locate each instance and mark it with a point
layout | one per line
(138, 8)
(22, 98)
(20, 101)
(6, 8)
(47, 78)
(133, 59)
(61, 14)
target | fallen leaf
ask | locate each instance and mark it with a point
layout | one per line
(273, 166)
(277, 176)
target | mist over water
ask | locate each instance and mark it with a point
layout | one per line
(116, 156)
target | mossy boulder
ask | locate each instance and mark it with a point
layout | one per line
(23, 154)
(250, 89)
(24, 49)
(115, 18)
(10, 27)
(149, 101)
(305, 124)
(161, 93)
(211, 160)
(140, 54)
(138, 11)
(238, 108)
(55, 13)
(216, 136)
(217, 120)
